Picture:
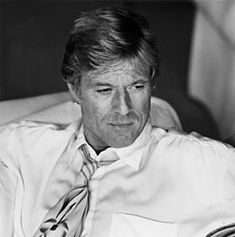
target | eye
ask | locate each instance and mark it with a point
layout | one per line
(104, 91)
(139, 86)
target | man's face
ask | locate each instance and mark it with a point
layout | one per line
(115, 105)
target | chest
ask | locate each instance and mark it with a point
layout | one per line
(127, 202)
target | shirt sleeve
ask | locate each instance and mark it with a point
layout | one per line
(28, 154)
(203, 173)
(209, 169)
(224, 224)
(8, 183)
(7, 200)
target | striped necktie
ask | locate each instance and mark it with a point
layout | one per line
(67, 217)
(223, 231)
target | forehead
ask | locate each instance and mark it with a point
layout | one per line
(118, 71)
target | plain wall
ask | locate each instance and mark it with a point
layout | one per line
(34, 33)
(212, 74)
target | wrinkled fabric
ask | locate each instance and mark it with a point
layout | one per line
(164, 184)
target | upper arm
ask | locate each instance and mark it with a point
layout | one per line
(218, 164)
(203, 172)
(8, 183)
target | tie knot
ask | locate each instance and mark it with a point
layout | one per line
(108, 157)
(87, 159)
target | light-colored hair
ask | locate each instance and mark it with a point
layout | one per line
(107, 35)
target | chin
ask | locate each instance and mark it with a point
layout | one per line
(119, 137)
(122, 142)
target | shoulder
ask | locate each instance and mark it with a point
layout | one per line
(25, 129)
(191, 144)
(30, 133)
(201, 169)
(26, 140)
(192, 154)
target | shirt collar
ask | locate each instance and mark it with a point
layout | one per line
(77, 127)
(131, 155)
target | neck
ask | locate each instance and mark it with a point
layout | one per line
(92, 141)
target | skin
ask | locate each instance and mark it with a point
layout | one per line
(115, 105)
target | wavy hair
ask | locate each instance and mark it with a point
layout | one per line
(107, 35)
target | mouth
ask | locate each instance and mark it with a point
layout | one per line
(121, 125)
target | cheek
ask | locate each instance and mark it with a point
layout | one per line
(94, 110)
(142, 104)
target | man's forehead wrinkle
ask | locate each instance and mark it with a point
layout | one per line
(113, 78)
(116, 69)
(117, 73)
(120, 73)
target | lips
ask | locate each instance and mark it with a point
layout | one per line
(121, 126)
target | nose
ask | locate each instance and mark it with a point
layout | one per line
(122, 102)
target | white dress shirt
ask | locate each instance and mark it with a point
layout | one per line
(164, 184)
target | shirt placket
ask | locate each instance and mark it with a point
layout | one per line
(93, 188)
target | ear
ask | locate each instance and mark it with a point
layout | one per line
(152, 78)
(74, 91)
(152, 73)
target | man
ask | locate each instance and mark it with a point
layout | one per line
(142, 180)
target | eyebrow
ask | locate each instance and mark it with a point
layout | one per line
(97, 84)
(102, 84)
(141, 81)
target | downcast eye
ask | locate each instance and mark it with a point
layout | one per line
(139, 86)
(104, 91)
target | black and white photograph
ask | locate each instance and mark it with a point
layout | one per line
(117, 118)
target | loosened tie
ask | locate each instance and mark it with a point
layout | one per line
(67, 217)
